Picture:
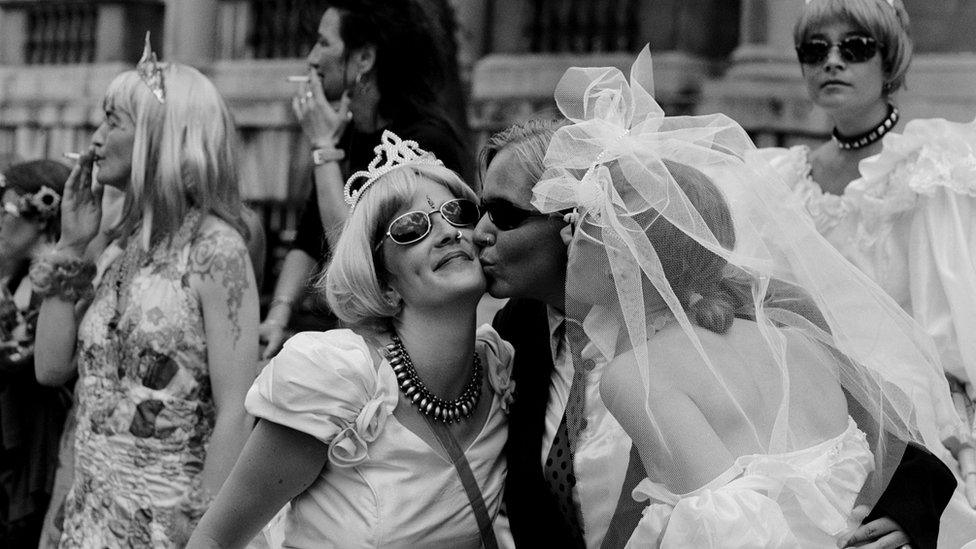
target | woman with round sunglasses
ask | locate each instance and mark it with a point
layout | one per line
(899, 206)
(356, 425)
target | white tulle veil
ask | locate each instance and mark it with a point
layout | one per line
(623, 166)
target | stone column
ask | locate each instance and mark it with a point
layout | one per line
(763, 87)
(191, 35)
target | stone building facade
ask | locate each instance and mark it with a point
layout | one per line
(733, 56)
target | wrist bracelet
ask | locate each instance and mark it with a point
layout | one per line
(280, 300)
(322, 156)
(65, 276)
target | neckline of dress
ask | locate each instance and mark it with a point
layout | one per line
(813, 184)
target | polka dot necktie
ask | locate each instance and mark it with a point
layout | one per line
(559, 464)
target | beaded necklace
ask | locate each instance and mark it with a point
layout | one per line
(420, 396)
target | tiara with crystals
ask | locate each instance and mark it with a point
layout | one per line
(391, 153)
(150, 72)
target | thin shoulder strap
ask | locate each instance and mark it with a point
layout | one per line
(461, 465)
(463, 468)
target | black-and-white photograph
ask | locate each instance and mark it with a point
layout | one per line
(511, 274)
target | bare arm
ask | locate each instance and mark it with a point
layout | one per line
(277, 464)
(57, 321)
(323, 125)
(222, 276)
(288, 290)
(680, 430)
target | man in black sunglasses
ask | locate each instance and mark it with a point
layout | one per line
(524, 256)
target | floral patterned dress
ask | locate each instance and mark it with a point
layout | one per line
(145, 408)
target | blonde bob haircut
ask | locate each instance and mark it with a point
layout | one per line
(356, 281)
(886, 23)
(184, 153)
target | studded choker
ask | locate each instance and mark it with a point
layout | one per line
(854, 142)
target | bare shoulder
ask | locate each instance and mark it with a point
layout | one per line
(217, 246)
(673, 363)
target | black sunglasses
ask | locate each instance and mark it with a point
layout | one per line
(853, 49)
(506, 216)
(414, 226)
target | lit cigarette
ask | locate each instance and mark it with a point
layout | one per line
(300, 79)
(73, 156)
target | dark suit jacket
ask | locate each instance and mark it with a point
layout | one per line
(915, 497)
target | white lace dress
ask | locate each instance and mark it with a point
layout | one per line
(909, 223)
(383, 486)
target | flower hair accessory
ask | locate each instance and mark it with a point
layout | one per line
(42, 205)
(391, 153)
(151, 73)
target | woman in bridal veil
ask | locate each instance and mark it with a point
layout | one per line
(768, 385)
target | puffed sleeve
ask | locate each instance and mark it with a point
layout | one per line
(497, 355)
(936, 160)
(724, 517)
(942, 268)
(326, 384)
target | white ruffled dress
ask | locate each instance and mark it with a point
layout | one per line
(383, 485)
(796, 499)
(909, 223)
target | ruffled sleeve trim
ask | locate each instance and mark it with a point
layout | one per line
(791, 164)
(325, 384)
(930, 154)
(497, 355)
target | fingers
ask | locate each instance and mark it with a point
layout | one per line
(315, 85)
(344, 102)
(566, 234)
(894, 540)
(273, 346)
(874, 531)
(296, 107)
(859, 513)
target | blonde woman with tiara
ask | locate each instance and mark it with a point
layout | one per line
(164, 339)
(898, 200)
(387, 433)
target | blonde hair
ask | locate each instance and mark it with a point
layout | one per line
(355, 282)
(184, 153)
(886, 23)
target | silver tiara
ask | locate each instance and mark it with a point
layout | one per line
(150, 72)
(391, 153)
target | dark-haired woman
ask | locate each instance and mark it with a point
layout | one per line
(31, 416)
(900, 206)
(376, 65)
